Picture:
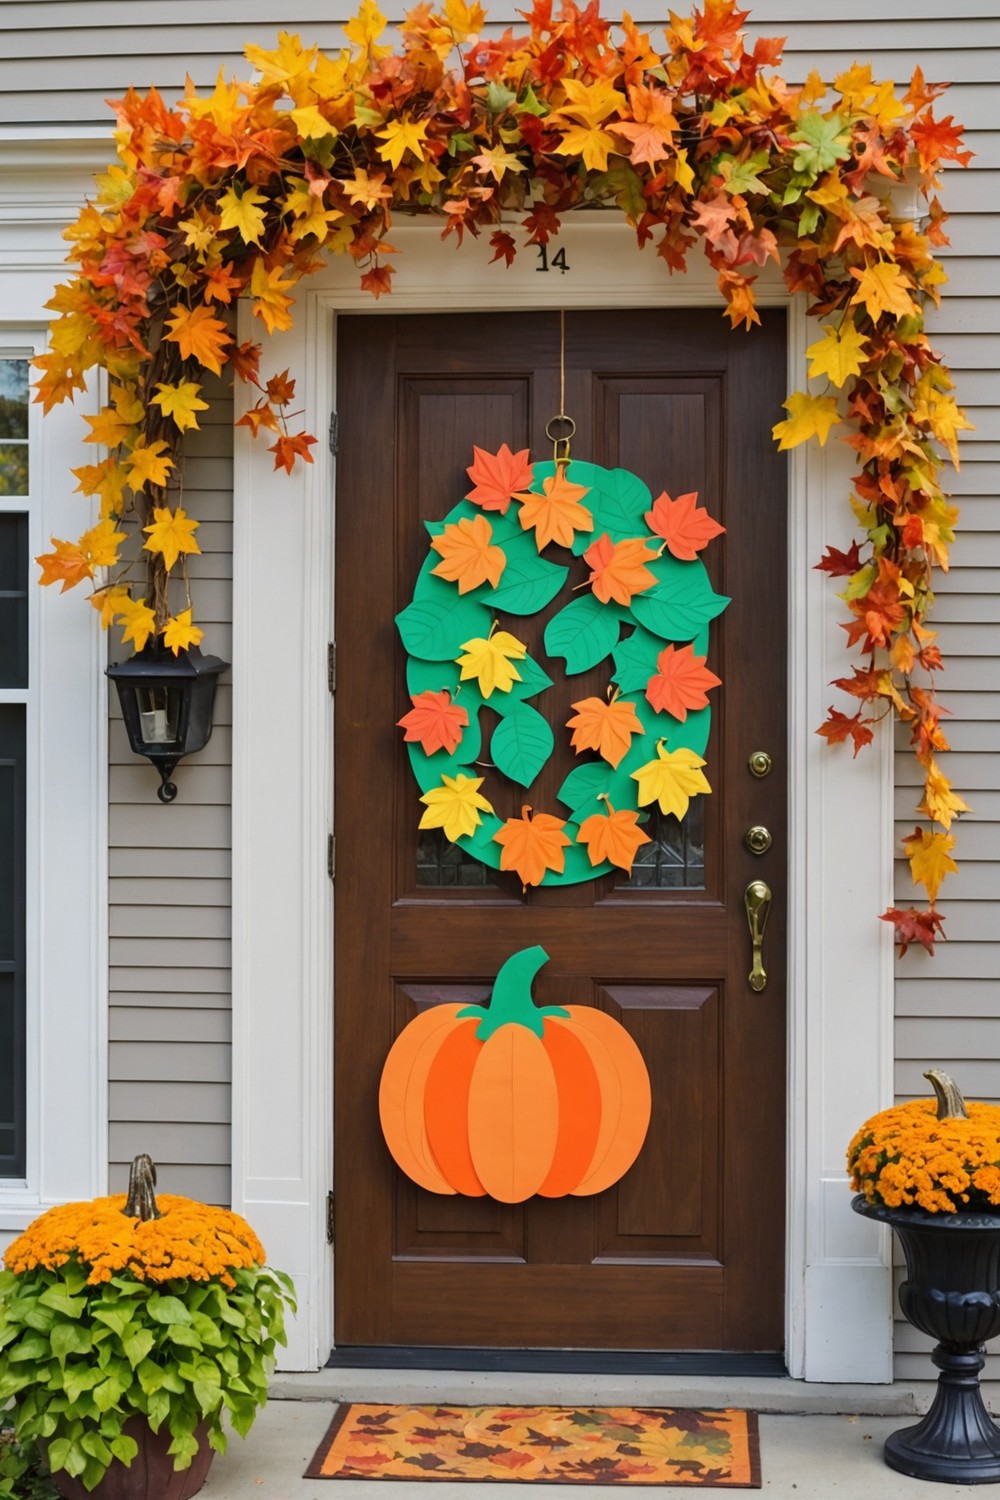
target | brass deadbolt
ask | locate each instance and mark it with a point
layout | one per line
(758, 839)
(760, 764)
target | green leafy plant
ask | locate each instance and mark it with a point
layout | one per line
(106, 1316)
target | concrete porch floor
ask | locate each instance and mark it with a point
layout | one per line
(817, 1442)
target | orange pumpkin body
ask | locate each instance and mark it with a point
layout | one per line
(552, 1102)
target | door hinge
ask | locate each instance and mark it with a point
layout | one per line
(334, 433)
(331, 857)
(329, 1217)
(331, 667)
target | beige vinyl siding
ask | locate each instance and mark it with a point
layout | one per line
(169, 894)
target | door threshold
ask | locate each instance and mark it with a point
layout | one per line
(559, 1361)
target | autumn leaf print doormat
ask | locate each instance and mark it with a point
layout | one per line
(542, 1445)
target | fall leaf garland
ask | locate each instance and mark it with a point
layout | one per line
(691, 135)
(644, 593)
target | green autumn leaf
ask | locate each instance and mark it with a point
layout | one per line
(635, 660)
(521, 744)
(583, 632)
(434, 629)
(822, 142)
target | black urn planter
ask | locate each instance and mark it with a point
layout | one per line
(952, 1293)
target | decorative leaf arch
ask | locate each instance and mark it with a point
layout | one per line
(692, 137)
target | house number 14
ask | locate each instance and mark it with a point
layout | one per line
(557, 263)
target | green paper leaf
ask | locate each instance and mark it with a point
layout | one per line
(618, 502)
(582, 787)
(480, 844)
(681, 604)
(583, 632)
(533, 681)
(521, 744)
(692, 734)
(435, 631)
(635, 660)
(527, 583)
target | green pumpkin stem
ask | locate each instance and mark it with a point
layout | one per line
(511, 1002)
(141, 1202)
(951, 1105)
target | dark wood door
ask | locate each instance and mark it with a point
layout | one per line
(686, 1252)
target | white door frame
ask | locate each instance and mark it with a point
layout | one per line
(840, 812)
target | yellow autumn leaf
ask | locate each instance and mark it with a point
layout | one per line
(311, 124)
(590, 102)
(100, 544)
(490, 661)
(243, 212)
(148, 464)
(179, 633)
(139, 622)
(400, 136)
(808, 416)
(366, 26)
(171, 533)
(110, 602)
(270, 299)
(464, 20)
(883, 288)
(180, 402)
(838, 354)
(947, 419)
(683, 173)
(590, 142)
(930, 859)
(939, 802)
(455, 806)
(671, 780)
(108, 428)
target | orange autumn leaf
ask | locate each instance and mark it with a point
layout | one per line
(469, 555)
(680, 683)
(434, 722)
(683, 524)
(618, 569)
(556, 513)
(67, 564)
(289, 447)
(613, 836)
(605, 727)
(200, 336)
(496, 477)
(532, 845)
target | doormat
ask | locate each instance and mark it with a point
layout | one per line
(542, 1445)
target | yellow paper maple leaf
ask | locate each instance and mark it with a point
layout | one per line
(930, 859)
(491, 661)
(939, 802)
(671, 780)
(243, 211)
(139, 621)
(179, 633)
(455, 806)
(148, 464)
(180, 402)
(882, 288)
(469, 556)
(170, 533)
(400, 136)
(838, 354)
(808, 416)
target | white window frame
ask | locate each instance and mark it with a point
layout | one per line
(66, 802)
(838, 1296)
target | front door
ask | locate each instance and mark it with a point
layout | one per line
(686, 1251)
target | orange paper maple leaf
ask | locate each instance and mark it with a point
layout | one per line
(200, 336)
(613, 836)
(618, 569)
(557, 513)
(496, 477)
(434, 722)
(469, 556)
(683, 524)
(681, 682)
(605, 727)
(532, 845)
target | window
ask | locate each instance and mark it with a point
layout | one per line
(14, 694)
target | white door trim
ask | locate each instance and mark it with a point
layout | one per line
(840, 992)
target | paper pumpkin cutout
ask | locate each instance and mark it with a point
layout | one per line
(640, 607)
(513, 1099)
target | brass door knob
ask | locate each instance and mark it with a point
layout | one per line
(760, 763)
(757, 902)
(758, 839)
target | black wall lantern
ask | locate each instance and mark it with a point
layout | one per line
(167, 705)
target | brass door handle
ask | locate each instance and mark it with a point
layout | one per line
(757, 900)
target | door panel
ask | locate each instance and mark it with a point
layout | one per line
(686, 1251)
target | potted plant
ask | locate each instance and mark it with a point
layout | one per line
(931, 1171)
(127, 1329)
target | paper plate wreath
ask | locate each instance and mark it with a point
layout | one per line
(512, 1099)
(647, 605)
